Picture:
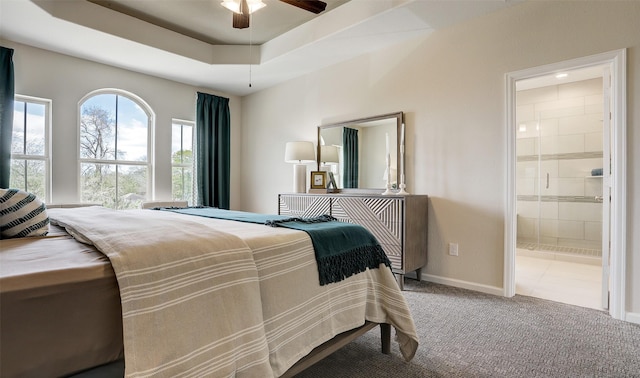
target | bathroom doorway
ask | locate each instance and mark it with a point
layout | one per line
(560, 155)
(553, 186)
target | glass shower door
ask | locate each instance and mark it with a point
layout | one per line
(560, 162)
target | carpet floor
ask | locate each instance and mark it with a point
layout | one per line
(465, 333)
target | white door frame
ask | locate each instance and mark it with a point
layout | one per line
(606, 185)
(617, 62)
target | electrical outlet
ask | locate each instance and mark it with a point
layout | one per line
(453, 249)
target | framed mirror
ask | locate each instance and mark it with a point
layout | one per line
(355, 152)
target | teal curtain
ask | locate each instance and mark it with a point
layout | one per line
(7, 96)
(350, 152)
(213, 151)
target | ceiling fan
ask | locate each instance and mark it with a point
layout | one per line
(242, 9)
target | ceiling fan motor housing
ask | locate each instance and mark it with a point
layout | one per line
(241, 18)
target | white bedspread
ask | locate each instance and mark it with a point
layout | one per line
(263, 277)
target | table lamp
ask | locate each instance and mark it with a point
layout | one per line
(299, 153)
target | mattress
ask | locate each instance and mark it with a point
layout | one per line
(76, 285)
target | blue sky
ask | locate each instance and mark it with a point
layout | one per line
(35, 127)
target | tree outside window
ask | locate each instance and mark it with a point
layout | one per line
(114, 150)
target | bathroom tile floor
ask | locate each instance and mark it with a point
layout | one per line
(561, 281)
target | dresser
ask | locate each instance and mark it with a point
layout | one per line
(399, 223)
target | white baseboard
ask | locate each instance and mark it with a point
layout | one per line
(463, 284)
(632, 317)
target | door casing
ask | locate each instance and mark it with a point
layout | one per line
(616, 60)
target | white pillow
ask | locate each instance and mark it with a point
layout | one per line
(22, 214)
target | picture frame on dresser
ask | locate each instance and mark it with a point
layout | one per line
(332, 187)
(318, 180)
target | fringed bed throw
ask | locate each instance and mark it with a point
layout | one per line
(342, 249)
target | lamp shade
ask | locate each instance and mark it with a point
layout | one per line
(329, 154)
(299, 152)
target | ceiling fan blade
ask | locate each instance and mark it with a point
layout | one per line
(314, 6)
(241, 20)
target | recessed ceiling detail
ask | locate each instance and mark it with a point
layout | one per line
(192, 41)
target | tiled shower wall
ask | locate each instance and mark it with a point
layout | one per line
(559, 142)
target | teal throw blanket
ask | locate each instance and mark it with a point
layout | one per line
(341, 249)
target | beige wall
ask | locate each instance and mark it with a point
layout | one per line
(65, 80)
(451, 86)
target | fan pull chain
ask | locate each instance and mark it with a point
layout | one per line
(250, 50)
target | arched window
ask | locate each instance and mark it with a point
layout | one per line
(115, 149)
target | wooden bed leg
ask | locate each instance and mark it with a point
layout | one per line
(385, 335)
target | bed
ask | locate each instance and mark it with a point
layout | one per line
(174, 294)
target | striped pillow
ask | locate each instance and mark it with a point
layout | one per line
(22, 214)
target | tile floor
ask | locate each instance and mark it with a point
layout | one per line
(557, 280)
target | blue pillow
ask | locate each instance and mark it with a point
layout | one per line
(22, 214)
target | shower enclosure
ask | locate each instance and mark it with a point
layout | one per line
(559, 169)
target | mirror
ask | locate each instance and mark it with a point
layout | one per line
(356, 151)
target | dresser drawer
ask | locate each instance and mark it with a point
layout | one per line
(303, 206)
